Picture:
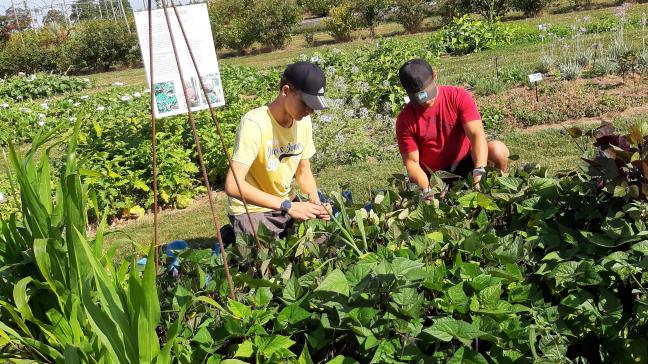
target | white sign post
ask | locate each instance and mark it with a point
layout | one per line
(169, 99)
(535, 78)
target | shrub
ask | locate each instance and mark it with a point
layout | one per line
(371, 12)
(531, 8)
(96, 45)
(232, 24)
(40, 85)
(341, 22)
(570, 70)
(466, 35)
(318, 7)
(581, 4)
(275, 21)
(37, 53)
(451, 9)
(411, 13)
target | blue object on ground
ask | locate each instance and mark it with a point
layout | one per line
(347, 195)
(169, 251)
(142, 261)
(216, 249)
(368, 207)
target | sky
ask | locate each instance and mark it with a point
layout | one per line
(45, 5)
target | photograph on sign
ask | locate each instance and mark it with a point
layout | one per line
(168, 87)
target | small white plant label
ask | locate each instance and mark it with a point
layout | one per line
(535, 77)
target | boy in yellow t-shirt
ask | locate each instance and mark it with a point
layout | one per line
(274, 144)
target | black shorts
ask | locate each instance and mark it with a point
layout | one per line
(464, 168)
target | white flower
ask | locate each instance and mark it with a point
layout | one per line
(86, 79)
(76, 104)
(44, 106)
(100, 108)
(315, 59)
(84, 97)
(118, 84)
(42, 116)
(336, 50)
(21, 74)
(386, 83)
(326, 118)
(72, 119)
(355, 69)
(2, 197)
(125, 98)
(41, 123)
(137, 95)
(5, 106)
(303, 57)
(24, 109)
(364, 112)
(70, 101)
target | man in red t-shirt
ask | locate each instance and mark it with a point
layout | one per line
(441, 129)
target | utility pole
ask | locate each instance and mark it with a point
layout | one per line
(13, 7)
(112, 7)
(65, 14)
(121, 6)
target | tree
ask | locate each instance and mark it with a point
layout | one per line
(23, 16)
(371, 12)
(85, 10)
(54, 16)
(490, 9)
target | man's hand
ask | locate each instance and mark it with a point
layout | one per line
(478, 173)
(328, 211)
(306, 211)
(476, 181)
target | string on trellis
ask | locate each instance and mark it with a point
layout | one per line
(196, 141)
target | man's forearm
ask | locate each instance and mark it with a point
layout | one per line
(479, 152)
(256, 197)
(307, 185)
(417, 174)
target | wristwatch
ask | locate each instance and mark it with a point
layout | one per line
(285, 206)
(479, 171)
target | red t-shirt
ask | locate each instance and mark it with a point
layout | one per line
(437, 132)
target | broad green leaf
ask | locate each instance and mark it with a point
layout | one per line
(641, 247)
(340, 359)
(269, 345)
(305, 357)
(336, 282)
(458, 297)
(244, 349)
(292, 314)
(489, 296)
(467, 356)
(447, 328)
(238, 309)
(262, 297)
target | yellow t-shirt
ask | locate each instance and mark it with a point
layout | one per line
(272, 152)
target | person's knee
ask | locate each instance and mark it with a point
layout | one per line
(498, 154)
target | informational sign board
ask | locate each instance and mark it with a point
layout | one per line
(167, 87)
(535, 77)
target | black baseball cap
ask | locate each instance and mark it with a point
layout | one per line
(309, 80)
(415, 76)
